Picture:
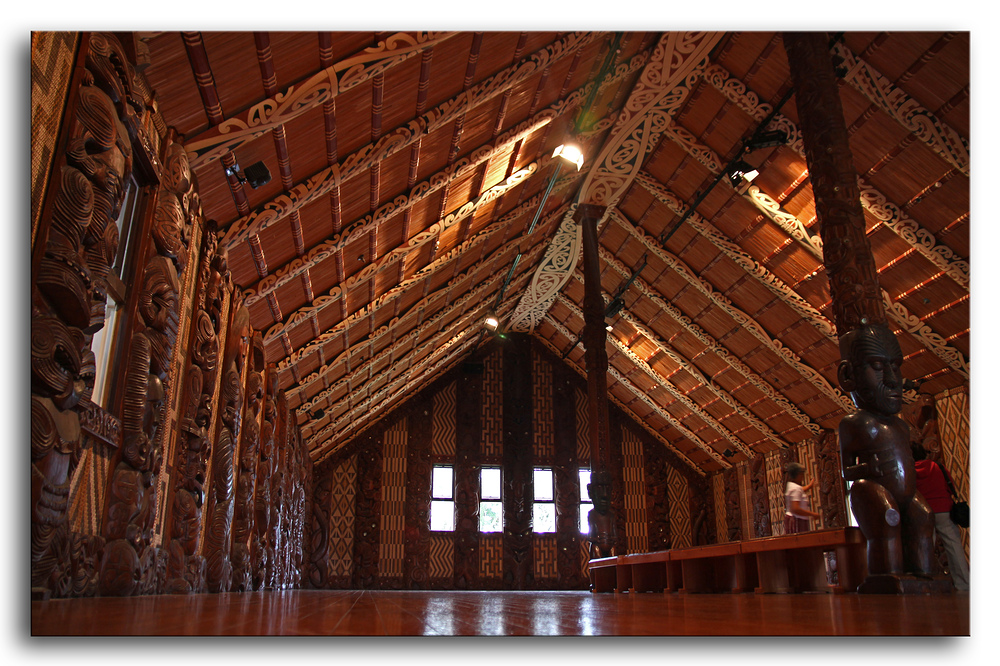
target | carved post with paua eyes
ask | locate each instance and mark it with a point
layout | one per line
(874, 441)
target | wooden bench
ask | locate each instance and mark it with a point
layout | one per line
(789, 563)
(796, 562)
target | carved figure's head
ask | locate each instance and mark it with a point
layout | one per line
(600, 490)
(870, 368)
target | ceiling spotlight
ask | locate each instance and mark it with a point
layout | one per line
(741, 174)
(570, 153)
(767, 139)
(491, 322)
(256, 175)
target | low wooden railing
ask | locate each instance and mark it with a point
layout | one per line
(791, 563)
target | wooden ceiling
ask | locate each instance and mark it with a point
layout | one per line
(407, 199)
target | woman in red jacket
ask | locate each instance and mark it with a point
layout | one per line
(933, 485)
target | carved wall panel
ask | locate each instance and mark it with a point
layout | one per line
(368, 501)
(658, 499)
(416, 554)
(243, 514)
(263, 497)
(566, 471)
(832, 499)
(702, 511)
(319, 533)
(680, 508)
(343, 493)
(76, 197)
(734, 516)
(759, 497)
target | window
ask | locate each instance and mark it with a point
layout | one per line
(543, 514)
(490, 506)
(106, 339)
(442, 499)
(586, 504)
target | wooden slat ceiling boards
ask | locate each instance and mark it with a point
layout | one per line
(407, 169)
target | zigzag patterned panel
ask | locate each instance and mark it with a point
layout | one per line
(807, 456)
(585, 559)
(392, 530)
(52, 55)
(635, 493)
(719, 504)
(582, 427)
(87, 489)
(342, 491)
(491, 556)
(775, 492)
(953, 430)
(443, 439)
(541, 387)
(492, 414)
(544, 551)
(678, 488)
(442, 557)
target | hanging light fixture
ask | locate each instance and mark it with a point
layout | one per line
(491, 322)
(741, 174)
(571, 154)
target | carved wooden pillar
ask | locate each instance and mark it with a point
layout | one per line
(368, 510)
(518, 436)
(567, 480)
(874, 440)
(468, 432)
(603, 519)
(847, 253)
(262, 489)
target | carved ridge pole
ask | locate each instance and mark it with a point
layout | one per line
(897, 523)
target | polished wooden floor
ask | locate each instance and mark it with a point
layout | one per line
(429, 613)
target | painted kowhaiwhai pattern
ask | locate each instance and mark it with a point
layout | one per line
(443, 419)
(342, 517)
(392, 531)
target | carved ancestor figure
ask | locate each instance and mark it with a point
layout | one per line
(875, 450)
(601, 519)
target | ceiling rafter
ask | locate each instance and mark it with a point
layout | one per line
(229, 134)
(742, 319)
(640, 395)
(680, 396)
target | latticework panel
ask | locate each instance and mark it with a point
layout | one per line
(807, 457)
(953, 427)
(544, 552)
(491, 557)
(342, 491)
(443, 439)
(87, 489)
(635, 493)
(492, 408)
(678, 489)
(541, 388)
(392, 520)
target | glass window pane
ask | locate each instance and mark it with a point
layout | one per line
(543, 484)
(584, 481)
(544, 517)
(490, 516)
(584, 523)
(490, 483)
(441, 486)
(442, 516)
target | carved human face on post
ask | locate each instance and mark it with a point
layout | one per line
(870, 369)
(600, 491)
